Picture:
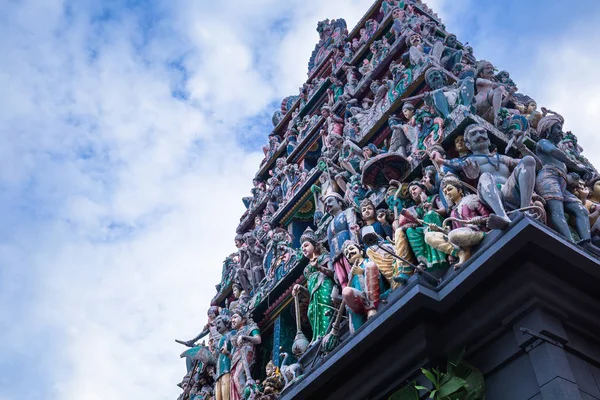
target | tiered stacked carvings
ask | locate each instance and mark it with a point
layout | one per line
(396, 158)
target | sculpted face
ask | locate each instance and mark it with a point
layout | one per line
(408, 113)
(238, 243)
(367, 212)
(415, 40)
(308, 249)
(381, 217)
(415, 192)
(352, 253)
(269, 369)
(488, 71)
(477, 139)
(220, 325)
(333, 205)
(452, 193)
(367, 153)
(436, 79)
(531, 107)
(236, 292)
(451, 41)
(459, 144)
(237, 321)
(556, 133)
(266, 226)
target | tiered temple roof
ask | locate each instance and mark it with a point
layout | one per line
(389, 177)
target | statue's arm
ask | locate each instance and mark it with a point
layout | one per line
(549, 148)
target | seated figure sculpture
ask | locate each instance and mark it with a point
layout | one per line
(516, 177)
(446, 98)
(463, 236)
(362, 293)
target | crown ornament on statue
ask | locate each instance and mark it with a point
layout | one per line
(308, 235)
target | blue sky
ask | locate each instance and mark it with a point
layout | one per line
(131, 130)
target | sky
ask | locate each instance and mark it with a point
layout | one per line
(132, 129)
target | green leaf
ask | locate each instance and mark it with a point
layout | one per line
(429, 376)
(421, 388)
(432, 394)
(408, 392)
(452, 386)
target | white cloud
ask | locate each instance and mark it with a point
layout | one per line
(120, 201)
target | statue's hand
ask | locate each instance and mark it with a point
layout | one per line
(355, 228)
(356, 270)
(471, 169)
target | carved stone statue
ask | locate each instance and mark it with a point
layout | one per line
(338, 232)
(244, 336)
(320, 285)
(551, 181)
(515, 177)
(464, 235)
(361, 295)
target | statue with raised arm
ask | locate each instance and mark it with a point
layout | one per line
(244, 336)
(503, 180)
(551, 182)
(338, 232)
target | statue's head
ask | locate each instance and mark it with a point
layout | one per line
(335, 140)
(416, 189)
(550, 127)
(239, 240)
(334, 203)
(212, 312)
(459, 144)
(485, 69)
(415, 39)
(452, 188)
(270, 368)
(237, 319)
(367, 210)
(408, 110)
(476, 138)
(237, 290)
(250, 239)
(450, 40)
(223, 323)
(435, 78)
(352, 251)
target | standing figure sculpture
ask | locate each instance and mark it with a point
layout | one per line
(491, 94)
(503, 180)
(224, 348)
(337, 233)
(320, 285)
(551, 182)
(244, 336)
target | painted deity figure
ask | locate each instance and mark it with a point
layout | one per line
(244, 337)
(273, 383)
(451, 55)
(254, 253)
(224, 349)
(209, 329)
(333, 123)
(503, 180)
(384, 261)
(428, 209)
(362, 293)
(338, 232)
(446, 98)
(399, 142)
(319, 285)
(491, 94)
(463, 236)
(551, 182)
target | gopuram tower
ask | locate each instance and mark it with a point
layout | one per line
(418, 228)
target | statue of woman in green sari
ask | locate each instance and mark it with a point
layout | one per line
(320, 285)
